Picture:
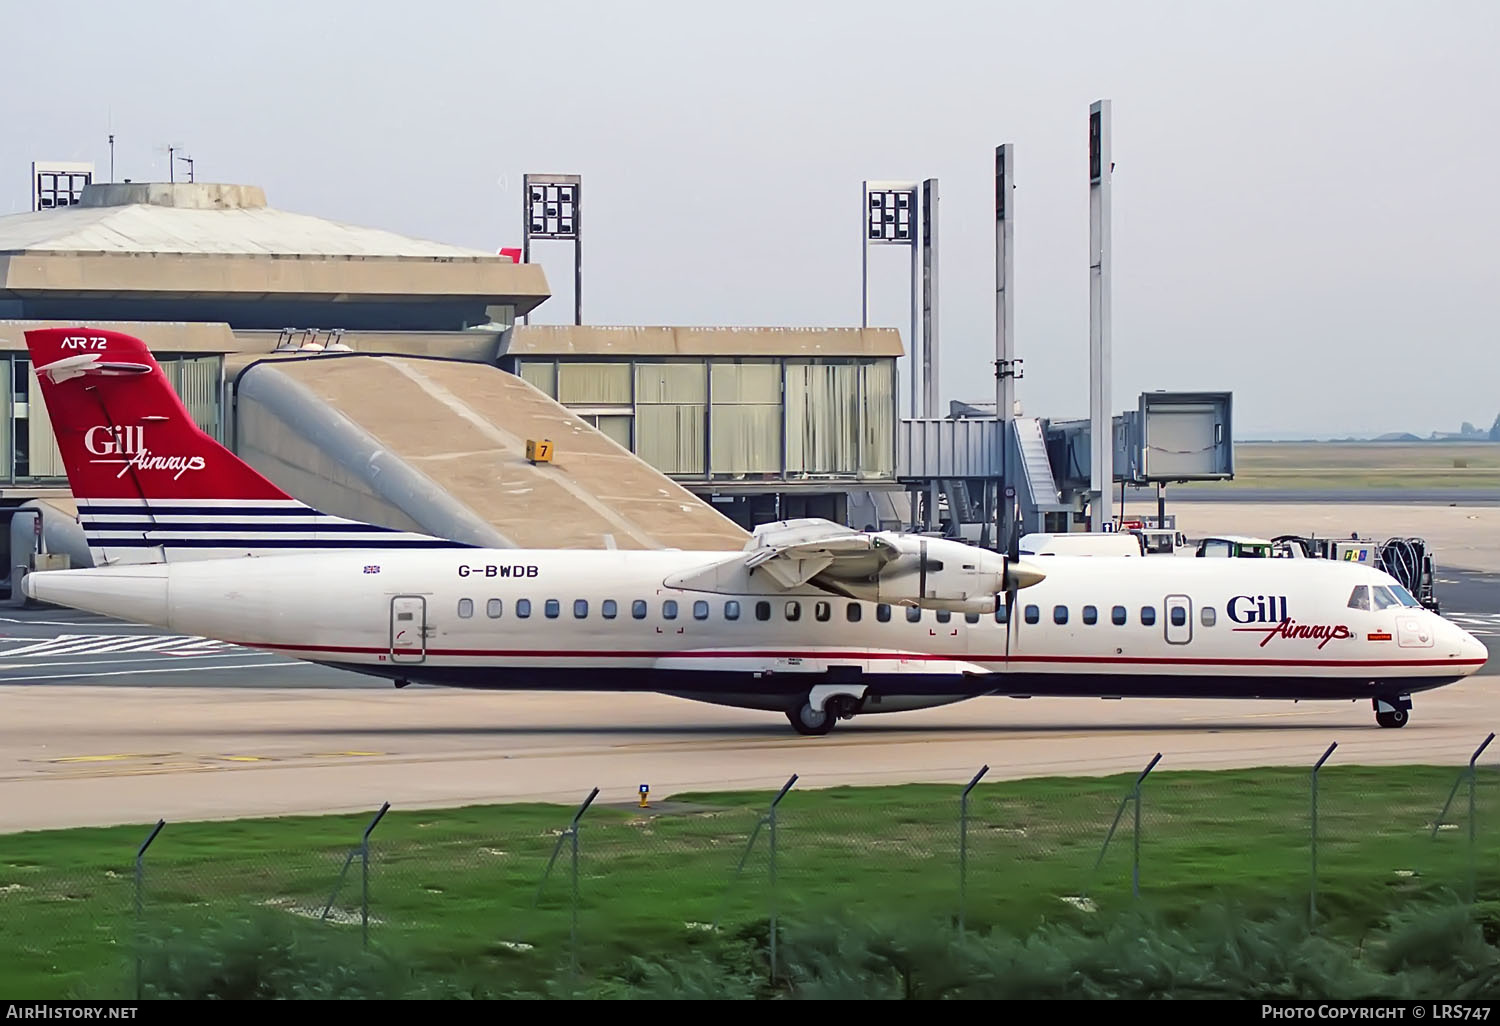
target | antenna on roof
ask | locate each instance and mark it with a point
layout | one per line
(109, 120)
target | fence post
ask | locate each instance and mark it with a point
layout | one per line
(963, 846)
(1133, 797)
(364, 848)
(570, 834)
(1471, 774)
(1312, 894)
(771, 816)
(140, 855)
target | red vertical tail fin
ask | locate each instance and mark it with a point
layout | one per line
(152, 486)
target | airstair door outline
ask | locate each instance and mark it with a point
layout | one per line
(1178, 619)
(408, 629)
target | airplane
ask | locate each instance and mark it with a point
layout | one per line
(811, 619)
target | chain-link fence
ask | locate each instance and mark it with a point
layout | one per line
(533, 891)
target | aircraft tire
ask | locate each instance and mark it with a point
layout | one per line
(812, 724)
(1395, 718)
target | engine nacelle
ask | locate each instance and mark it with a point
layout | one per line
(936, 573)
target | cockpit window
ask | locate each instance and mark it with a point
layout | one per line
(1359, 598)
(1383, 597)
(1406, 598)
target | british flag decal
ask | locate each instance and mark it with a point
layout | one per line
(372, 569)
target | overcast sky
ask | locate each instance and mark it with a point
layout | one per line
(1306, 195)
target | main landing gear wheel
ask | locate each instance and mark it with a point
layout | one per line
(812, 724)
(1394, 718)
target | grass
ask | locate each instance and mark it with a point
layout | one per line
(1355, 465)
(451, 892)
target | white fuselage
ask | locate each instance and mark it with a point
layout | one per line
(1191, 628)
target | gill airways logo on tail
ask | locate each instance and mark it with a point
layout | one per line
(126, 446)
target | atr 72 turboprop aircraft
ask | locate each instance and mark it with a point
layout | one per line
(811, 619)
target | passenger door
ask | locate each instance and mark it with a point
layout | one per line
(408, 629)
(1178, 619)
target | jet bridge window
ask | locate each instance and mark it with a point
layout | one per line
(1118, 616)
(551, 608)
(700, 610)
(1033, 614)
(523, 608)
(913, 614)
(580, 609)
(1148, 615)
(794, 610)
(852, 613)
(883, 613)
(638, 609)
(669, 609)
(493, 608)
(465, 608)
(731, 610)
(608, 609)
(822, 610)
(1208, 616)
(1059, 614)
(1090, 615)
(762, 611)
(1359, 598)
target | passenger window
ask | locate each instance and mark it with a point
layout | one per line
(493, 608)
(794, 611)
(608, 609)
(580, 609)
(1117, 616)
(943, 616)
(1383, 597)
(883, 613)
(1059, 614)
(762, 610)
(822, 610)
(700, 610)
(465, 608)
(1208, 616)
(1033, 614)
(1178, 616)
(853, 612)
(638, 609)
(913, 614)
(1148, 615)
(552, 608)
(669, 609)
(1359, 598)
(731, 610)
(1090, 615)
(971, 617)
(523, 608)
(1000, 616)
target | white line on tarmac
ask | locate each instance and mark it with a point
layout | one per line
(133, 673)
(47, 664)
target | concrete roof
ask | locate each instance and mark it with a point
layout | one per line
(591, 340)
(200, 240)
(155, 218)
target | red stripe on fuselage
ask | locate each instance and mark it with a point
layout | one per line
(914, 657)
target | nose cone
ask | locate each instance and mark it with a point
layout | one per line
(137, 593)
(1471, 650)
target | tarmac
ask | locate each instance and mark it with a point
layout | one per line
(108, 723)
